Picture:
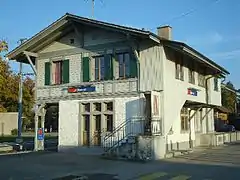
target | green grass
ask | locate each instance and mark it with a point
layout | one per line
(25, 138)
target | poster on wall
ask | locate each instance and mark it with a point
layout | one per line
(155, 102)
(156, 112)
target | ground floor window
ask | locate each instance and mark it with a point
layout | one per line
(184, 119)
(109, 119)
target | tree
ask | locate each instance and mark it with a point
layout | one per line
(9, 88)
(229, 98)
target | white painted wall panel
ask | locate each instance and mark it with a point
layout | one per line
(175, 95)
(63, 43)
(98, 36)
(151, 75)
(69, 125)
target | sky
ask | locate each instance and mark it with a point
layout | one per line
(210, 26)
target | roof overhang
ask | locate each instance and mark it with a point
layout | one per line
(184, 48)
(228, 88)
(223, 109)
(62, 26)
(198, 105)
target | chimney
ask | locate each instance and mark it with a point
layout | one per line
(165, 32)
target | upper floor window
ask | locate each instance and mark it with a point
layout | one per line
(57, 68)
(191, 73)
(103, 67)
(179, 71)
(216, 88)
(201, 80)
(57, 72)
(201, 76)
(99, 68)
(124, 65)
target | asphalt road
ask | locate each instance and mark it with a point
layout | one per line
(219, 163)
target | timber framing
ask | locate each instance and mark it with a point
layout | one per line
(70, 22)
(28, 55)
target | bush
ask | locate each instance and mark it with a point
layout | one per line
(14, 132)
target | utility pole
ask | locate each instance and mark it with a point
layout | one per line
(93, 3)
(19, 139)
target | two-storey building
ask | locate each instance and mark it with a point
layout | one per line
(111, 82)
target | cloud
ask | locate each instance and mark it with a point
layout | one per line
(206, 39)
(234, 54)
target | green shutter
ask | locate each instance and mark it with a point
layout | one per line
(85, 69)
(65, 74)
(47, 73)
(108, 67)
(133, 66)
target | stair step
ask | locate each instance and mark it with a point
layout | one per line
(175, 153)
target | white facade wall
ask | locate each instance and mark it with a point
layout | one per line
(70, 130)
(175, 95)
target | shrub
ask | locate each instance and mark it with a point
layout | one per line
(14, 132)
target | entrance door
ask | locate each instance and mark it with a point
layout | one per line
(97, 130)
(148, 113)
(86, 130)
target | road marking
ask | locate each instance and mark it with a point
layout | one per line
(180, 177)
(153, 176)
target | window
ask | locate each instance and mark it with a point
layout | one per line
(109, 106)
(201, 77)
(201, 80)
(179, 71)
(86, 107)
(103, 67)
(57, 68)
(124, 65)
(99, 68)
(184, 119)
(97, 106)
(109, 119)
(57, 72)
(215, 84)
(191, 74)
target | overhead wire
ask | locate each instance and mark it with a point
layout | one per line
(191, 11)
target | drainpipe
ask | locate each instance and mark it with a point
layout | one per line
(138, 75)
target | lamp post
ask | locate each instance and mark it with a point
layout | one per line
(19, 138)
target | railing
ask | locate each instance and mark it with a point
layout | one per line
(131, 127)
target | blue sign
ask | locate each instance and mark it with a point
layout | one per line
(40, 134)
(82, 89)
(192, 91)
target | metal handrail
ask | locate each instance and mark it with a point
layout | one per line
(120, 131)
(121, 126)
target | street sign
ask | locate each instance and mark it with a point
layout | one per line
(40, 134)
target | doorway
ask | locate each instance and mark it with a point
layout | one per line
(148, 113)
(97, 130)
(86, 130)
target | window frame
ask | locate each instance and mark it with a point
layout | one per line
(201, 76)
(184, 119)
(126, 74)
(191, 73)
(179, 68)
(99, 60)
(53, 78)
(215, 84)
